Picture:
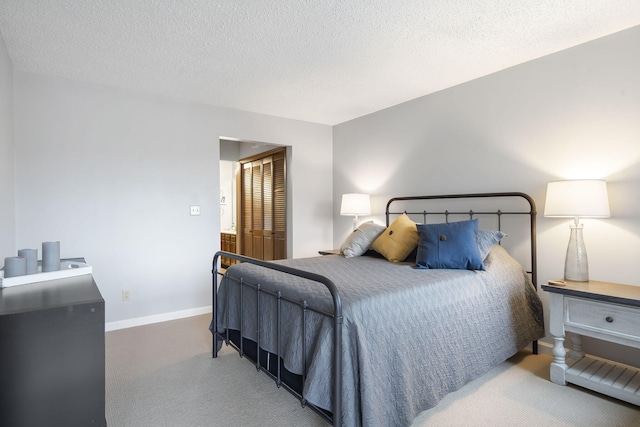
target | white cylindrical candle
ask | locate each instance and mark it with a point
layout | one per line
(32, 259)
(50, 256)
(15, 266)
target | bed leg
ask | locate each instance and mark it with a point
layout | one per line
(534, 347)
(214, 306)
(216, 345)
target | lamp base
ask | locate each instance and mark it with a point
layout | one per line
(576, 265)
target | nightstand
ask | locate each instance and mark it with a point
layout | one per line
(330, 252)
(602, 310)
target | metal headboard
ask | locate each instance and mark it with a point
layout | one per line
(530, 211)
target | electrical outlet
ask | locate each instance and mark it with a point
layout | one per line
(126, 295)
(195, 210)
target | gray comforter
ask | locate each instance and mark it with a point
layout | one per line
(410, 336)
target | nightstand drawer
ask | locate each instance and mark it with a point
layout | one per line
(605, 317)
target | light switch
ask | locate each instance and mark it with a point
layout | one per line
(195, 210)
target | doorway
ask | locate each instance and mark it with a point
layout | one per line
(253, 226)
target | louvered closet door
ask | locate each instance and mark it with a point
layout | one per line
(267, 215)
(247, 210)
(279, 231)
(264, 207)
(257, 220)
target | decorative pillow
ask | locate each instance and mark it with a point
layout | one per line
(449, 245)
(398, 240)
(486, 240)
(359, 242)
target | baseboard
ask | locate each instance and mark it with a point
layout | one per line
(545, 348)
(156, 318)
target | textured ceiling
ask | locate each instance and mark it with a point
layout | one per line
(324, 61)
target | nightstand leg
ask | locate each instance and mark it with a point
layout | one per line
(576, 346)
(559, 365)
(556, 328)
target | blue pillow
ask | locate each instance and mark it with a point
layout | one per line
(451, 245)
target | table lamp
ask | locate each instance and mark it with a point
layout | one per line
(355, 204)
(580, 198)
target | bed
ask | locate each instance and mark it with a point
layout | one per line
(364, 341)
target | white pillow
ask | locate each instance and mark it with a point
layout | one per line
(359, 241)
(486, 240)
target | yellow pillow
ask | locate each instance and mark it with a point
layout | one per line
(398, 240)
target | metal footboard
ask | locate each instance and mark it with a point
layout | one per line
(336, 315)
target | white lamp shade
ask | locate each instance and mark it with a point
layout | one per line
(355, 204)
(585, 198)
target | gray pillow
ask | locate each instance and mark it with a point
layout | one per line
(486, 240)
(359, 241)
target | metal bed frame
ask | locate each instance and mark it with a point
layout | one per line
(335, 417)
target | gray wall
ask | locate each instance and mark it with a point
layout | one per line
(112, 173)
(574, 114)
(7, 191)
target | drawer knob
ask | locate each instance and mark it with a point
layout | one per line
(609, 319)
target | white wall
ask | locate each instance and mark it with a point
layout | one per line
(574, 114)
(7, 190)
(111, 174)
(228, 190)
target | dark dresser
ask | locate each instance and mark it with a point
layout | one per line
(52, 354)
